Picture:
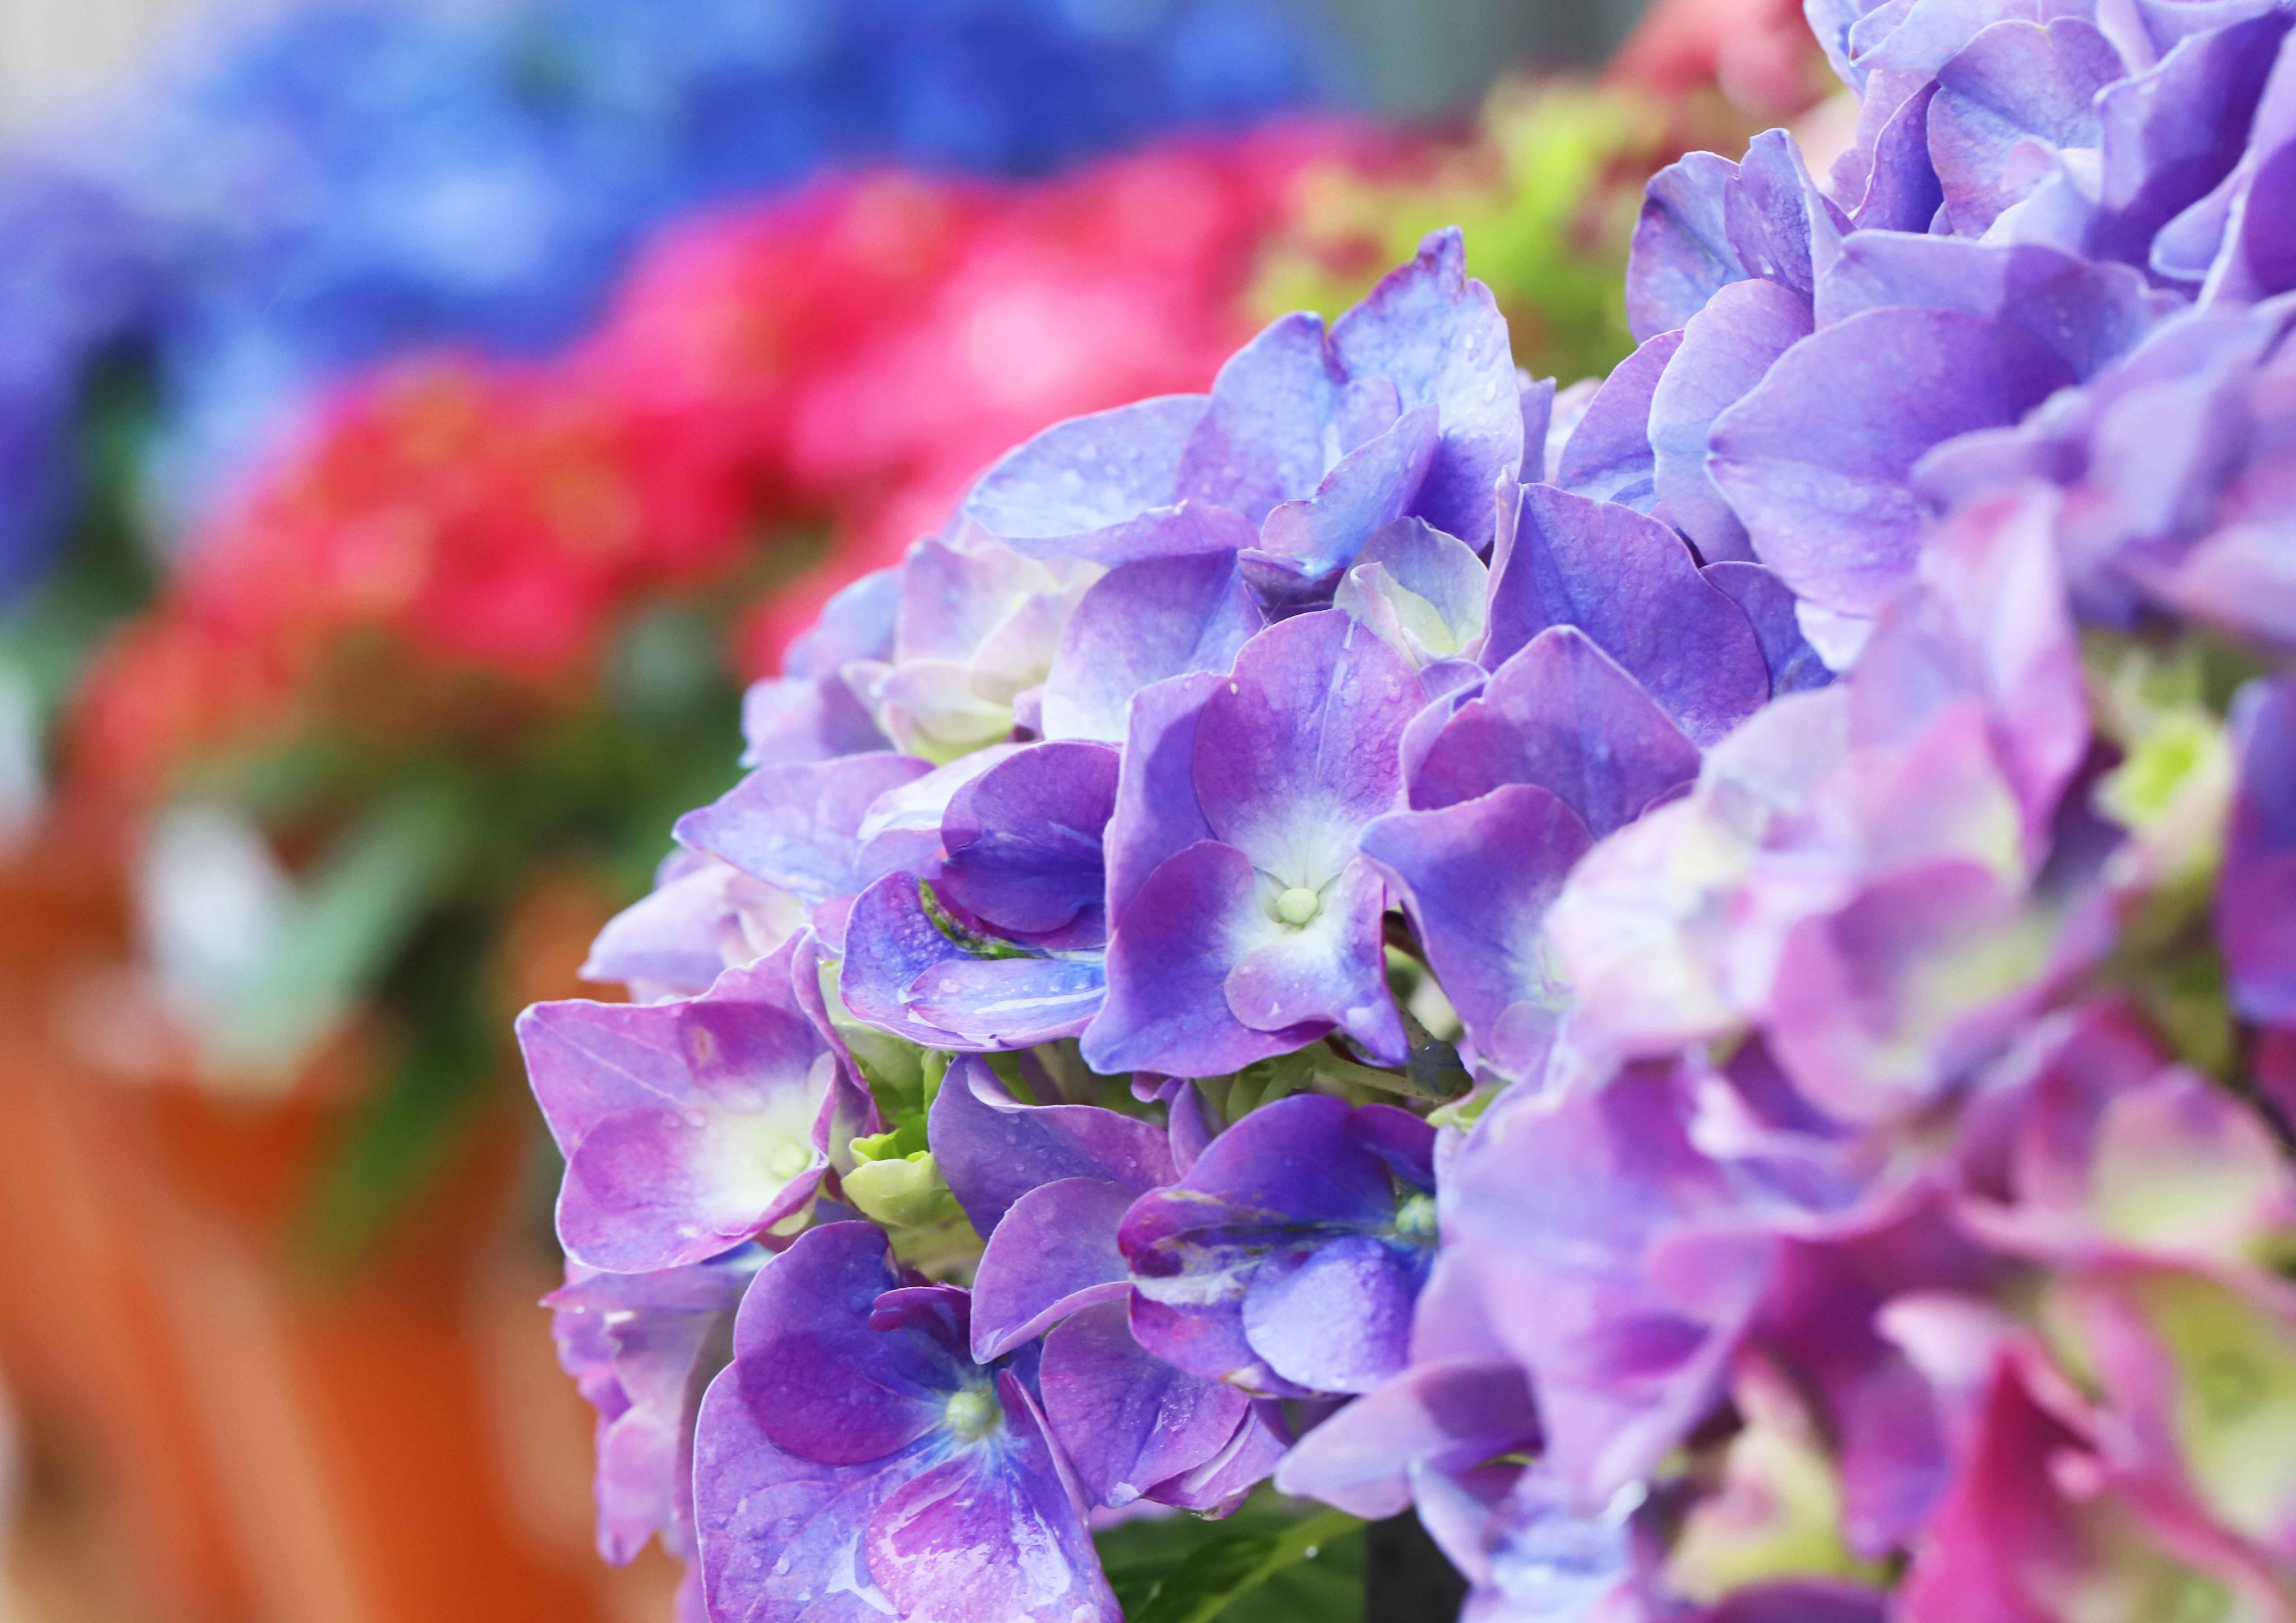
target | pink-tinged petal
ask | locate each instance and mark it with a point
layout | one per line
(1261, 438)
(1630, 584)
(1298, 747)
(1156, 812)
(656, 1189)
(1437, 335)
(1337, 1319)
(798, 826)
(991, 1535)
(1725, 350)
(1879, 1005)
(1140, 624)
(1168, 966)
(1816, 460)
(1079, 488)
(1564, 716)
(1592, 1221)
(1128, 1420)
(1608, 456)
(993, 1150)
(1053, 1253)
(1444, 1416)
(1483, 924)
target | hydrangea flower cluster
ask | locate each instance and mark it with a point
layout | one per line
(1692, 976)
(342, 180)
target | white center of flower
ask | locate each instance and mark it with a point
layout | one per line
(1299, 905)
(973, 1413)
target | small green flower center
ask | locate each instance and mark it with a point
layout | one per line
(1299, 905)
(1414, 1218)
(973, 1413)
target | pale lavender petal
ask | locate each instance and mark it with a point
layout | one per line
(1261, 438)
(672, 938)
(993, 1150)
(1007, 1003)
(2017, 91)
(1607, 455)
(1440, 338)
(1141, 624)
(1053, 1254)
(1538, 400)
(1725, 350)
(1783, 228)
(1630, 584)
(1128, 1420)
(1815, 460)
(806, 718)
(797, 826)
(1080, 483)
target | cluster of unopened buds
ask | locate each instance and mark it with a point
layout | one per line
(1691, 976)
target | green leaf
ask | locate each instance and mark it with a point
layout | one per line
(1260, 1566)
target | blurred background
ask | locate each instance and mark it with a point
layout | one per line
(418, 420)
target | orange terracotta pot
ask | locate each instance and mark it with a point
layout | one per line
(254, 1444)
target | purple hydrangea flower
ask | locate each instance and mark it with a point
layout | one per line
(1289, 1258)
(855, 1461)
(687, 1127)
(1244, 920)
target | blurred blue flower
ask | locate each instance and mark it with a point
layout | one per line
(348, 179)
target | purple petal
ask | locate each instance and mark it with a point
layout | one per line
(2088, 313)
(1784, 228)
(797, 826)
(826, 1385)
(1366, 490)
(2256, 903)
(1794, 665)
(1298, 747)
(1816, 459)
(857, 623)
(1725, 350)
(1076, 489)
(1444, 1416)
(1260, 440)
(1682, 249)
(1168, 965)
(1127, 1420)
(1629, 583)
(991, 1535)
(806, 718)
(1607, 455)
(1330, 971)
(1023, 838)
(2016, 90)
(1538, 400)
(1004, 1004)
(1337, 1318)
(1440, 338)
(993, 1150)
(1053, 1254)
(674, 938)
(1141, 624)
(1482, 922)
(1156, 812)
(1561, 714)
